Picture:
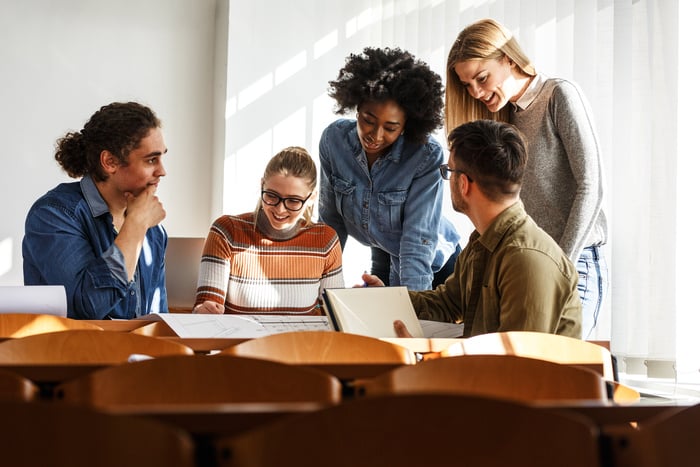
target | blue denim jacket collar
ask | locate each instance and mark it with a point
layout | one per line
(94, 199)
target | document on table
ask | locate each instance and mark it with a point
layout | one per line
(440, 329)
(239, 326)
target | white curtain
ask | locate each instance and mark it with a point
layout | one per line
(623, 53)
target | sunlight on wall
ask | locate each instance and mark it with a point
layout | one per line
(290, 67)
(326, 44)
(361, 21)
(256, 90)
(231, 107)
(242, 174)
(292, 128)
(5, 255)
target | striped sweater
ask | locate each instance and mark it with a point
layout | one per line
(249, 272)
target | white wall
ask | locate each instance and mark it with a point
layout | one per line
(60, 60)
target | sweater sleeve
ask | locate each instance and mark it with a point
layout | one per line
(215, 266)
(572, 118)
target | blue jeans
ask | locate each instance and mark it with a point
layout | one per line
(592, 286)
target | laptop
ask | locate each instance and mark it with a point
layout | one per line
(34, 299)
(182, 258)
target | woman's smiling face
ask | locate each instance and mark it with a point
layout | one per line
(492, 81)
(285, 186)
(379, 124)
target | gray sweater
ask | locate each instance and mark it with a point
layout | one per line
(563, 184)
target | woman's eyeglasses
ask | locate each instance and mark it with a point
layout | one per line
(291, 204)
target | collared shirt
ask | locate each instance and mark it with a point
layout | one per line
(531, 92)
(514, 277)
(69, 240)
(395, 206)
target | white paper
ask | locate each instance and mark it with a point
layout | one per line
(206, 326)
(34, 299)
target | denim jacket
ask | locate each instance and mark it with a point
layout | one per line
(395, 206)
(69, 241)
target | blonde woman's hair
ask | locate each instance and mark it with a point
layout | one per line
(485, 39)
(293, 161)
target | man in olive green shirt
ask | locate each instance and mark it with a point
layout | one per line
(512, 276)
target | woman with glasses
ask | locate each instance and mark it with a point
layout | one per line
(275, 260)
(380, 181)
(490, 77)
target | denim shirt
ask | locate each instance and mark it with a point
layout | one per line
(395, 206)
(69, 241)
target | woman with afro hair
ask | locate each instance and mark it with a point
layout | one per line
(380, 177)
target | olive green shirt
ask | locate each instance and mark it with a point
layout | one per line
(514, 277)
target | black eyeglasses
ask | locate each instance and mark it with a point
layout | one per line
(291, 204)
(446, 172)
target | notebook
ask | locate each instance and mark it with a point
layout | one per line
(36, 299)
(371, 311)
(182, 258)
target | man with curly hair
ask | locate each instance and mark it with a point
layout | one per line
(380, 181)
(101, 237)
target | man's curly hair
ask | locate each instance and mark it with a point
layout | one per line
(391, 74)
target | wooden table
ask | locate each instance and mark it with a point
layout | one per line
(47, 373)
(609, 413)
(219, 418)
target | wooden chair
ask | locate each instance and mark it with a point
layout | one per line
(544, 346)
(668, 439)
(14, 387)
(45, 433)
(551, 347)
(418, 430)
(197, 379)
(322, 347)
(503, 376)
(24, 324)
(86, 347)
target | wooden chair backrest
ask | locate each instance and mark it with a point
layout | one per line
(418, 430)
(623, 394)
(670, 438)
(544, 346)
(199, 379)
(25, 324)
(322, 347)
(87, 347)
(46, 433)
(503, 376)
(15, 387)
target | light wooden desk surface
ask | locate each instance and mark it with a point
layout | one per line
(58, 373)
(217, 419)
